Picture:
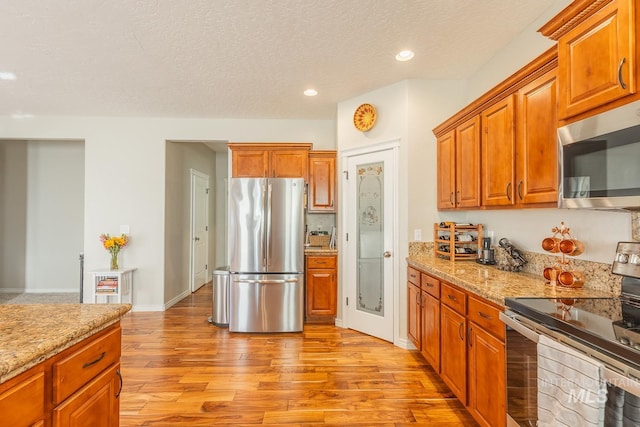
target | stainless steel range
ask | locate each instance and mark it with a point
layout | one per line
(605, 331)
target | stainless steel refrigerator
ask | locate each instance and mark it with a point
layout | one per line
(266, 250)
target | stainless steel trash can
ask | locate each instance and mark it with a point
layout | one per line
(220, 303)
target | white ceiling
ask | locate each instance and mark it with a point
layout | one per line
(237, 58)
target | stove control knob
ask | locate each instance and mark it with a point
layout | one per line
(622, 258)
(624, 340)
(634, 259)
(636, 346)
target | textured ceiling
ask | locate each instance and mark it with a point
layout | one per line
(237, 58)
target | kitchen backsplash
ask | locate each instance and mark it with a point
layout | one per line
(322, 222)
(597, 275)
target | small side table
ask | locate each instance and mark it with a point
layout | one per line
(113, 284)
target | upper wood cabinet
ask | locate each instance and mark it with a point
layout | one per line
(322, 181)
(459, 166)
(596, 53)
(500, 150)
(255, 160)
(446, 148)
(498, 153)
(536, 142)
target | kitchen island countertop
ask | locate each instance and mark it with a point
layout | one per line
(493, 284)
(32, 333)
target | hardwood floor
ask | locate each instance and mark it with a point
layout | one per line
(179, 370)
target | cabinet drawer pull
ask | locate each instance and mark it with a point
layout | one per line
(509, 191)
(86, 365)
(460, 331)
(429, 285)
(120, 378)
(484, 315)
(622, 83)
(451, 297)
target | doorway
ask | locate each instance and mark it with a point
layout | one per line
(370, 213)
(199, 269)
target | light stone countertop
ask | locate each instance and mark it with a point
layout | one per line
(320, 250)
(32, 333)
(493, 284)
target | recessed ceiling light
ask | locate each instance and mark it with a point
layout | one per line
(7, 75)
(311, 92)
(405, 55)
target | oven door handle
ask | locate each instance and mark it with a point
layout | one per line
(519, 327)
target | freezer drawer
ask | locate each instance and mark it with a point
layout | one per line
(266, 303)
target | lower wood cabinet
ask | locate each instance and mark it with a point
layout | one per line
(321, 288)
(78, 387)
(453, 346)
(95, 404)
(22, 399)
(461, 336)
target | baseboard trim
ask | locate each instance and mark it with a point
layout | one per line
(177, 299)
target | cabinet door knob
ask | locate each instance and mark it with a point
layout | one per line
(387, 254)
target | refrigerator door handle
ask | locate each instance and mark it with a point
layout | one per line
(266, 281)
(264, 236)
(268, 214)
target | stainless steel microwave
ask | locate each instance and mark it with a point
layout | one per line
(599, 159)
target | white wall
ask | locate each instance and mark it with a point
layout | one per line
(13, 215)
(125, 178)
(55, 215)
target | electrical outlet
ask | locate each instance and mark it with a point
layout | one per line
(417, 234)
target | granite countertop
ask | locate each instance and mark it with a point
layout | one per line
(32, 333)
(320, 250)
(493, 284)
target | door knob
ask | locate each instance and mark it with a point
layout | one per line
(387, 254)
(197, 239)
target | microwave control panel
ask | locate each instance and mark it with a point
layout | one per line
(627, 261)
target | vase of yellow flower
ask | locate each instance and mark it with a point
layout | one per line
(113, 245)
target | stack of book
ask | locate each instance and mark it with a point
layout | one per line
(108, 285)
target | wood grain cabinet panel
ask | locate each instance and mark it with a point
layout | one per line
(276, 160)
(597, 59)
(536, 142)
(446, 153)
(289, 164)
(322, 182)
(96, 404)
(430, 330)
(250, 163)
(414, 315)
(321, 289)
(498, 153)
(487, 402)
(467, 164)
(453, 364)
(22, 400)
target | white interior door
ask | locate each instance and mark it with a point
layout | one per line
(199, 271)
(369, 219)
